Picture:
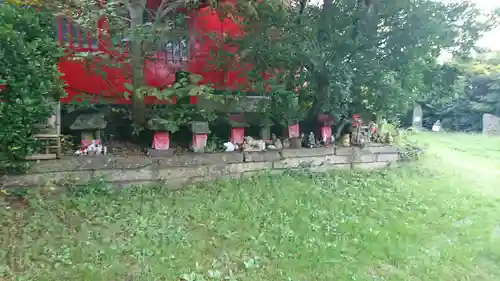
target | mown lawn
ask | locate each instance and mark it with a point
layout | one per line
(437, 219)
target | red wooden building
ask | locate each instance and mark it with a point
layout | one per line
(188, 52)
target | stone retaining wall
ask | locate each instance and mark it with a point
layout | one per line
(181, 169)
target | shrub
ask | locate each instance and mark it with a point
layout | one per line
(28, 67)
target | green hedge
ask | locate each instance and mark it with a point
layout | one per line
(28, 65)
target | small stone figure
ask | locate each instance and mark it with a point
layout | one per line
(346, 140)
(229, 147)
(249, 144)
(320, 142)
(262, 145)
(311, 140)
(437, 126)
(304, 139)
(286, 143)
(276, 143)
(355, 137)
(93, 148)
(324, 140)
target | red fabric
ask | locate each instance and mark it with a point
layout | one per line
(237, 135)
(161, 141)
(86, 143)
(200, 140)
(294, 131)
(326, 134)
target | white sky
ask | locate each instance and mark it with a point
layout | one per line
(490, 40)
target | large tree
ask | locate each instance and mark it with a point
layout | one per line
(363, 56)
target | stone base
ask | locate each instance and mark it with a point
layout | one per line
(193, 167)
(295, 143)
(159, 153)
(265, 133)
(294, 131)
(237, 135)
(199, 142)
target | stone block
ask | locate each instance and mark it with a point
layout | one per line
(491, 124)
(123, 175)
(128, 162)
(160, 153)
(84, 163)
(128, 184)
(210, 171)
(164, 174)
(250, 167)
(199, 127)
(261, 156)
(344, 151)
(200, 159)
(232, 176)
(307, 152)
(327, 168)
(39, 179)
(387, 157)
(379, 149)
(363, 158)
(308, 162)
(370, 166)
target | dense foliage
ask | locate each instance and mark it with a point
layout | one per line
(28, 57)
(365, 57)
(369, 59)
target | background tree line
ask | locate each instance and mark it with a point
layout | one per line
(460, 91)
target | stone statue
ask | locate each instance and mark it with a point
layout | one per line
(491, 125)
(437, 126)
(357, 137)
(417, 117)
(276, 142)
(250, 144)
(346, 140)
(286, 143)
(229, 147)
(303, 139)
(311, 140)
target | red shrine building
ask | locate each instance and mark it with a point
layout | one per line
(190, 53)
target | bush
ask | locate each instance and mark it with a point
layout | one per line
(28, 57)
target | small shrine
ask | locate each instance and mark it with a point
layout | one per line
(200, 131)
(90, 127)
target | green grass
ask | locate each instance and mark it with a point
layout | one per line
(432, 220)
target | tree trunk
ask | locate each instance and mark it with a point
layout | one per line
(322, 99)
(136, 10)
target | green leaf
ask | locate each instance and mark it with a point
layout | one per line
(128, 87)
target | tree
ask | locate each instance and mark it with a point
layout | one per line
(364, 56)
(28, 55)
(461, 91)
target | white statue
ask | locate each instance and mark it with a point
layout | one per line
(437, 126)
(250, 144)
(229, 147)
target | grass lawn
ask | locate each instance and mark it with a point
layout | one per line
(437, 219)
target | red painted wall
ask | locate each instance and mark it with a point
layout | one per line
(159, 72)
